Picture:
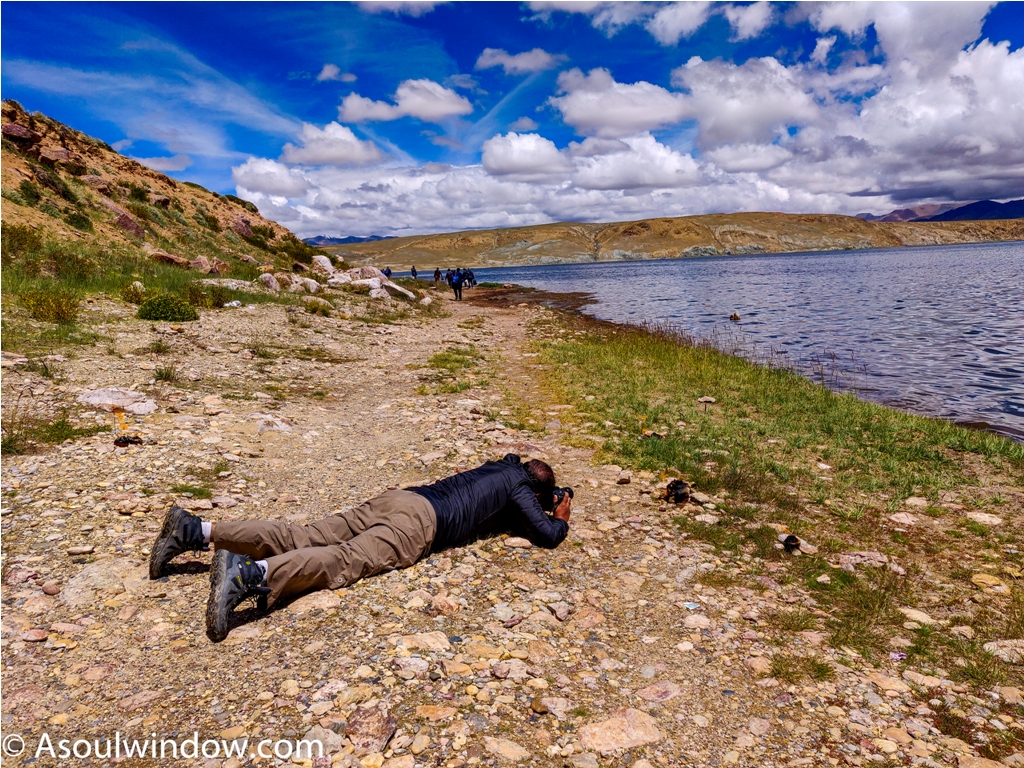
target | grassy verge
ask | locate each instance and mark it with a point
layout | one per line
(777, 449)
(454, 370)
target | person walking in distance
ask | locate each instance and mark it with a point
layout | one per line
(457, 280)
(413, 272)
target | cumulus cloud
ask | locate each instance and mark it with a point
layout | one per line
(749, 21)
(678, 20)
(752, 102)
(165, 164)
(644, 164)
(270, 177)
(523, 124)
(424, 99)
(333, 145)
(822, 48)
(595, 104)
(399, 8)
(936, 116)
(524, 156)
(333, 72)
(609, 17)
(536, 60)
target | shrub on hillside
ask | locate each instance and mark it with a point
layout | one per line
(18, 240)
(318, 307)
(219, 295)
(30, 193)
(195, 294)
(167, 307)
(79, 220)
(51, 305)
(133, 293)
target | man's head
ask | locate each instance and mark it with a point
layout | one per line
(542, 479)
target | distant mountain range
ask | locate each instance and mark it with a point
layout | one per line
(980, 211)
(321, 240)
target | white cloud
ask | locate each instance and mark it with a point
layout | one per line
(424, 99)
(935, 117)
(749, 21)
(270, 177)
(646, 164)
(536, 60)
(165, 164)
(399, 8)
(752, 102)
(678, 20)
(333, 145)
(822, 48)
(117, 146)
(523, 156)
(595, 104)
(608, 17)
(332, 72)
(744, 158)
(523, 124)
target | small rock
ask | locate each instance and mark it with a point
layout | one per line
(626, 729)
(34, 636)
(918, 502)
(662, 691)
(920, 617)
(505, 749)
(538, 706)
(759, 726)
(1010, 651)
(985, 518)
(370, 727)
(420, 743)
(518, 542)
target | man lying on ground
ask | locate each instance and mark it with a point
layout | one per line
(275, 561)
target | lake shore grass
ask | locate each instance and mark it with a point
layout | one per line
(780, 452)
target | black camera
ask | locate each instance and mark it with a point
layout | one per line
(558, 494)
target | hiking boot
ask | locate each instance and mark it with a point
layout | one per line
(233, 578)
(182, 532)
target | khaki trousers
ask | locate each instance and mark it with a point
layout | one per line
(393, 530)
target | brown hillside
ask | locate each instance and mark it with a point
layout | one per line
(71, 187)
(711, 235)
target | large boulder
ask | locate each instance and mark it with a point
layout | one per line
(311, 285)
(242, 226)
(98, 183)
(118, 399)
(339, 279)
(248, 259)
(269, 281)
(169, 258)
(129, 225)
(20, 133)
(203, 265)
(323, 264)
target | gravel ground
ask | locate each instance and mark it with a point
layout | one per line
(607, 651)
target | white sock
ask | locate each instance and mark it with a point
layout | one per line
(207, 530)
(264, 566)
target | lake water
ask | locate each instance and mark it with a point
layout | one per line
(934, 330)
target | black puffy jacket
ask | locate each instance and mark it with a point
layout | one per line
(495, 496)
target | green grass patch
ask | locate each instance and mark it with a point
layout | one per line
(23, 432)
(197, 491)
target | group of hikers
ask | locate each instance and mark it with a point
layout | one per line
(457, 279)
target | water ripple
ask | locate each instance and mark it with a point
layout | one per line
(936, 330)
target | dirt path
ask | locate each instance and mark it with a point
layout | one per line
(627, 646)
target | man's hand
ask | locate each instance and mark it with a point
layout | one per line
(563, 509)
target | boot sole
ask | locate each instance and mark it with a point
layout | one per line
(216, 618)
(170, 524)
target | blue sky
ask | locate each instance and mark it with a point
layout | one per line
(394, 118)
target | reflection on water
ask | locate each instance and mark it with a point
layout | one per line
(937, 330)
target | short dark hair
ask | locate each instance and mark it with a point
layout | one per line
(542, 477)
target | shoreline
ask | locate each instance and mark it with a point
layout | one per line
(638, 624)
(576, 302)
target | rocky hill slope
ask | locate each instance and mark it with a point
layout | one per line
(70, 187)
(713, 235)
